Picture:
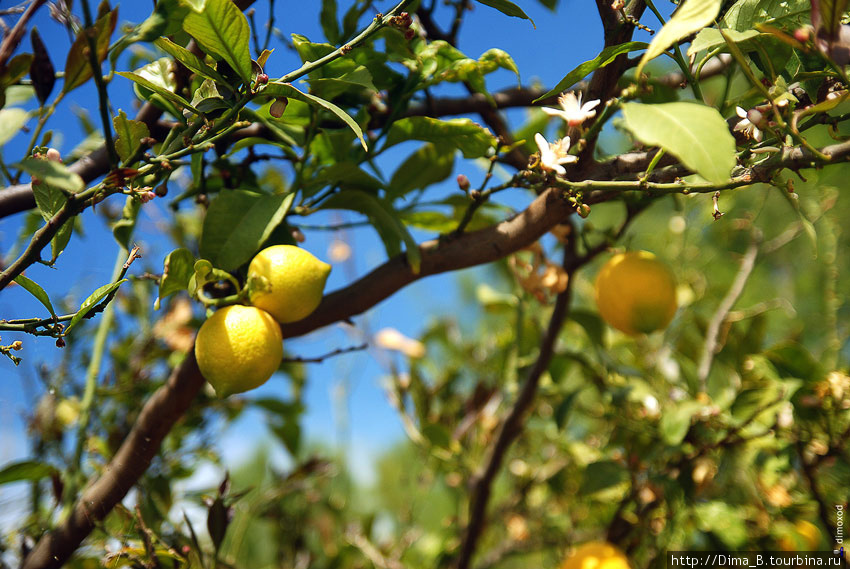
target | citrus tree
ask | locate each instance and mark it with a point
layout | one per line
(694, 398)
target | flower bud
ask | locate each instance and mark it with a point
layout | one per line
(60, 342)
(262, 79)
(278, 107)
(755, 117)
(161, 190)
(802, 35)
(409, 34)
(53, 155)
(583, 210)
(463, 182)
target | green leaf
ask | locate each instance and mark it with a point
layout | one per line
(507, 8)
(26, 470)
(438, 435)
(470, 138)
(178, 268)
(383, 218)
(170, 96)
(16, 68)
(35, 289)
(206, 97)
(345, 175)
(694, 133)
(430, 164)
(11, 122)
(354, 81)
(749, 401)
(792, 359)
(60, 240)
(221, 29)
(602, 475)
(328, 19)
(676, 421)
(93, 300)
(607, 56)
(189, 59)
(495, 58)
(238, 223)
(286, 90)
(562, 411)
(78, 69)
(724, 521)
(709, 38)
(745, 14)
(689, 18)
(129, 135)
(123, 227)
(53, 174)
(50, 199)
(592, 324)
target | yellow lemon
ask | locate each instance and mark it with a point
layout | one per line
(287, 282)
(238, 348)
(807, 537)
(636, 293)
(596, 555)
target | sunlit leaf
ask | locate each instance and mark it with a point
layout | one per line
(129, 135)
(189, 59)
(11, 122)
(52, 173)
(689, 18)
(694, 133)
(92, 301)
(35, 289)
(177, 270)
(221, 29)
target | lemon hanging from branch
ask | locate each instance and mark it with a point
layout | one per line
(636, 293)
(287, 282)
(238, 348)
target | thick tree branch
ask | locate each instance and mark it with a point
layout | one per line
(438, 256)
(156, 419)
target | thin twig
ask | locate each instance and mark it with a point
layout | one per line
(709, 347)
(320, 359)
(361, 542)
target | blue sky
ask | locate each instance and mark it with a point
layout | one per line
(352, 382)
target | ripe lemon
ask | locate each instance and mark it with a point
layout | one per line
(596, 555)
(287, 282)
(636, 293)
(238, 348)
(807, 537)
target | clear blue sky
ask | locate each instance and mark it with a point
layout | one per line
(545, 54)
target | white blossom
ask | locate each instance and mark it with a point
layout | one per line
(747, 123)
(572, 110)
(552, 156)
